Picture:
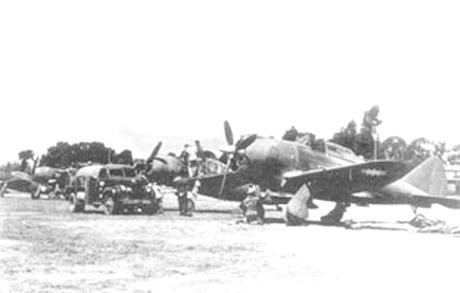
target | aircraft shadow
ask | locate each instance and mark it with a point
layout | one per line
(206, 211)
(210, 211)
(305, 223)
(363, 225)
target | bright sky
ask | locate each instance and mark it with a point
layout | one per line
(128, 72)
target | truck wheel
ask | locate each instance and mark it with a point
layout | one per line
(76, 205)
(151, 208)
(111, 206)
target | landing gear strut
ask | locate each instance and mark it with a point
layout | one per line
(336, 214)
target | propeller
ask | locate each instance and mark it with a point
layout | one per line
(245, 142)
(153, 156)
(154, 153)
(233, 150)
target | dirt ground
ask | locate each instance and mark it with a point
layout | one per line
(45, 248)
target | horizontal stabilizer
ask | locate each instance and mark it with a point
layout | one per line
(447, 201)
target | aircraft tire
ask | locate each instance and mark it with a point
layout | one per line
(292, 220)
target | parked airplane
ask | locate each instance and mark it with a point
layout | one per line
(289, 172)
(163, 169)
(43, 180)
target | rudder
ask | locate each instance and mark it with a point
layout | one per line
(429, 176)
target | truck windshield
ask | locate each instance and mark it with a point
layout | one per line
(116, 172)
(129, 172)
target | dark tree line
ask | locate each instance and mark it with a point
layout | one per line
(64, 155)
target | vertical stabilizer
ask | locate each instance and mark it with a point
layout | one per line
(429, 176)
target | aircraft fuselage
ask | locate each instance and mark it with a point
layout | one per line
(267, 159)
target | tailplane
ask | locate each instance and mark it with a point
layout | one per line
(429, 177)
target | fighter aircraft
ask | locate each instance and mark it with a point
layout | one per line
(289, 172)
(42, 180)
(163, 169)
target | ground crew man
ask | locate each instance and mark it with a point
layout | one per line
(158, 197)
(181, 192)
(201, 158)
(186, 196)
(252, 206)
(189, 156)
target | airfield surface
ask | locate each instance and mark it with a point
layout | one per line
(45, 248)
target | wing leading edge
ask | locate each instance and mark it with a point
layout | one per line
(349, 179)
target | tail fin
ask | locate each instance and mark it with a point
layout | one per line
(429, 176)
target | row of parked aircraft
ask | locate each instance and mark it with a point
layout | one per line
(294, 174)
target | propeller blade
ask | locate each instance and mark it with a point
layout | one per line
(228, 133)
(155, 152)
(244, 143)
(227, 167)
(35, 166)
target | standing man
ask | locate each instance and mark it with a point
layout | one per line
(186, 195)
(200, 158)
(189, 157)
(184, 155)
(181, 193)
(252, 206)
(158, 197)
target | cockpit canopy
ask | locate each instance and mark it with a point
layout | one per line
(334, 150)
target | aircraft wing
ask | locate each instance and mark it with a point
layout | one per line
(369, 176)
(18, 175)
(234, 186)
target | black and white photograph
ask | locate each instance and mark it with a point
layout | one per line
(229, 146)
